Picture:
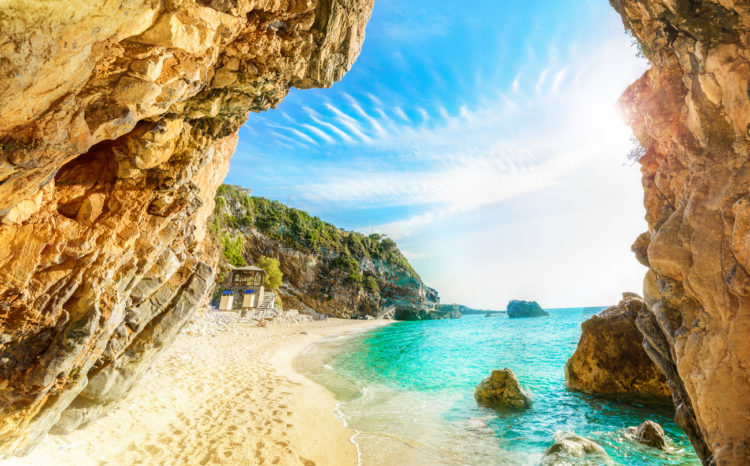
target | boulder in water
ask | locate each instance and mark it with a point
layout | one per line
(610, 358)
(649, 433)
(502, 390)
(570, 448)
(525, 309)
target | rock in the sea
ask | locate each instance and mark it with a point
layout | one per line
(570, 449)
(525, 309)
(690, 113)
(649, 433)
(118, 124)
(502, 390)
(609, 358)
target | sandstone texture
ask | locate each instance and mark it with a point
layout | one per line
(691, 114)
(119, 118)
(502, 390)
(609, 358)
(649, 433)
(571, 449)
(525, 309)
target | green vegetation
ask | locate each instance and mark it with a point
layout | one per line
(371, 284)
(274, 276)
(642, 49)
(232, 249)
(301, 231)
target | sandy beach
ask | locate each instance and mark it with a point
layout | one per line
(226, 395)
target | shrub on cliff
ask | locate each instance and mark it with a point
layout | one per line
(232, 249)
(236, 211)
(355, 278)
(274, 276)
(371, 284)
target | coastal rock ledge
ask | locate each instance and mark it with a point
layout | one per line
(118, 122)
(609, 358)
(691, 115)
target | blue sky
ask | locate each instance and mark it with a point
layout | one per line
(484, 140)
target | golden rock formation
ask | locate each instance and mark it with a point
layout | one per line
(119, 118)
(609, 359)
(691, 114)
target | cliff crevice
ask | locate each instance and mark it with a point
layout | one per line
(119, 120)
(691, 113)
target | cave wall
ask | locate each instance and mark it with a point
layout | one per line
(691, 113)
(119, 118)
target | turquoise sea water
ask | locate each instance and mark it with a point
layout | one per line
(407, 390)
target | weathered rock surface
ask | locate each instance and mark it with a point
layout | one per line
(502, 390)
(319, 279)
(570, 449)
(118, 122)
(649, 433)
(425, 313)
(609, 358)
(525, 309)
(691, 113)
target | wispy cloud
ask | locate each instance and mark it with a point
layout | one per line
(455, 127)
(481, 154)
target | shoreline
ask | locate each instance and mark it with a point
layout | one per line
(229, 395)
(283, 359)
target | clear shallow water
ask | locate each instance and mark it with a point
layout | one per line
(408, 390)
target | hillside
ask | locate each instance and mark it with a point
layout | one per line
(465, 310)
(336, 272)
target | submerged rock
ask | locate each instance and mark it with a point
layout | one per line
(571, 449)
(525, 309)
(649, 433)
(502, 390)
(609, 358)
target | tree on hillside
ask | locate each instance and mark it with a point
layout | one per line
(232, 249)
(273, 272)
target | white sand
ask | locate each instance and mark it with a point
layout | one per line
(231, 398)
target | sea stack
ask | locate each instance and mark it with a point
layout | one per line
(609, 358)
(525, 309)
(502, 390)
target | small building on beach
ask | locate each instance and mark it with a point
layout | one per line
(242, 289)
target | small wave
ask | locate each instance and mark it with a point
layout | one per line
(340, 415)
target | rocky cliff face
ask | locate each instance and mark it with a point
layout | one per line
(691, 113)
(331, 271)
(609, 359)
(118, 122)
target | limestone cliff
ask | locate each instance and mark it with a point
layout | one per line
(691, 114)
(609, 359)
(118, 122)
(332, 271)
